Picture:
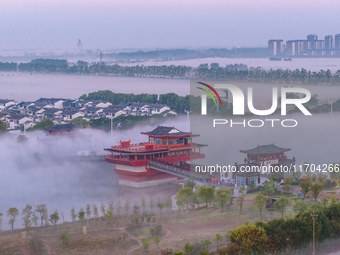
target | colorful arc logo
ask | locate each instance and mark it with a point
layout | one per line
(209, 93)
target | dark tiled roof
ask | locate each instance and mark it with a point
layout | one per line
(265, 149)
(110, 110)
(50, 110)
(16, 117)
(165, 131)
(5, 101)
(69, 112)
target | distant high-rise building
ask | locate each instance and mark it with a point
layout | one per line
(79, 45)
(337, 41)
(301, 47)
(328, 42)
(312, 37)
(291, 48)
(311, 42)
(275, 47)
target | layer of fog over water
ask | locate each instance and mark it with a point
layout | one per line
(313, 140)
(27, 87)
(37, 172)
(313, 64)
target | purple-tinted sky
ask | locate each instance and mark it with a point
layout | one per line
(53, 24)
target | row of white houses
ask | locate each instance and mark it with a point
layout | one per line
(62, 111)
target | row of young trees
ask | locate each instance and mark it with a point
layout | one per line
(39, 216)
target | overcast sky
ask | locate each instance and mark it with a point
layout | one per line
(117, 24)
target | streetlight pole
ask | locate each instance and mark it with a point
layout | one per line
(314, 215)
(111, 125)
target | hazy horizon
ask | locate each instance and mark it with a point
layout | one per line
(105, 25)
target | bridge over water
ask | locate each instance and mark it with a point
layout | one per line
(180, 171)
(184, 172)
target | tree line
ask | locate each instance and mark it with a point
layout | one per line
(39, 216)
(237, 71)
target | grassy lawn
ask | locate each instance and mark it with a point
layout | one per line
(143, 232)
(9, 247)
(185, 227)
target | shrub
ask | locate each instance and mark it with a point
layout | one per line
(65, 240)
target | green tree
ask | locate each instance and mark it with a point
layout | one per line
(297, 176)
(42, 210)
(63, 237)
(54, 217)
(250, 238)
(334, 171)
(160, 207)
(242, 192)
(143, 203)
(251, 186)
(188, 249)
(95, 211)
(305, 185)
(222, 197)
(80, 122)
(157, 240)
(12, 213)
(190, 184)
(22, 139)
(281, 204)
(88, 211)
(145, 244)
(316, 188)
(269, 186)
(102, 209)
(81, 215)
(127, 206)
(34, 219)
(206, 244)
(185, 195)
(218, 239)
(3, 127)
(119, 207)
(228, 235)
(109, 217)
(73, 214)
(47, 123)
(152, 205)
(205, 194)
(26, 216)
(111, 207)
(135, 210)
(260, 201)
(300, 206)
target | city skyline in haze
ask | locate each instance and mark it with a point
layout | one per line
(151, 24)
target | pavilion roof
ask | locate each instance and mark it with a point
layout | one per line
(265, 149)
(166, 131)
